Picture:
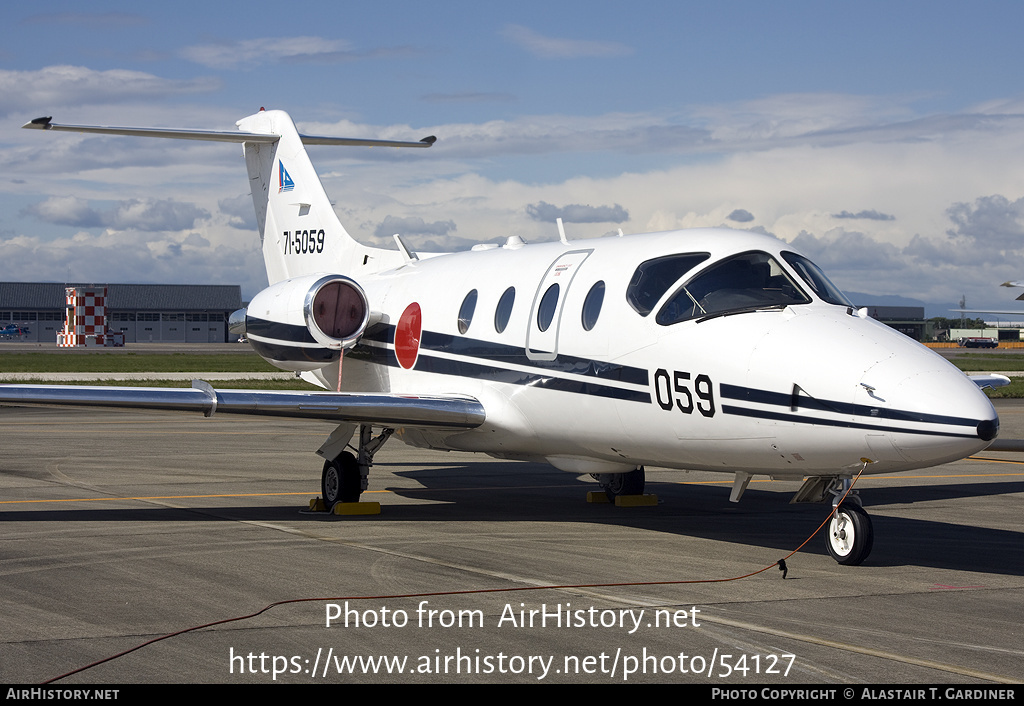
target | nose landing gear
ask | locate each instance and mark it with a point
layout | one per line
(849, 535)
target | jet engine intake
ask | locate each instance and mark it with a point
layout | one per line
(304, 323)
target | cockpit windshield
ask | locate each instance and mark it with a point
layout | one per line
(816, 279)
(745, 282)
(653, 278)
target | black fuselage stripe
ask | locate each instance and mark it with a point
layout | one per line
(803, 401)
(494, 373)
(819, 421)
(515, 355)
(278, 331)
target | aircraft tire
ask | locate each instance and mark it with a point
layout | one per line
(616, 484)
(849, 535)
(339, 482)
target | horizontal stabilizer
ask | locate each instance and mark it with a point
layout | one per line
(218, 136)
(446, 411)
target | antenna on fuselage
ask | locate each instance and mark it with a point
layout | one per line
(408, 254)
(561, 231)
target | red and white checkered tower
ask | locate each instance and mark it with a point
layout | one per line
(86, 320)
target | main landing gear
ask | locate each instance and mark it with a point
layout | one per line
(616, 484)
(344, 478)
(341, 481)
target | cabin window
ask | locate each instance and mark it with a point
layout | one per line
(504, 311)
(653, 278)
(592, 305)
(546, 310)
(816, 279)
(466, 311)
(746, 282)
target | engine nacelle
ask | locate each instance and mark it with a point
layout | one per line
(304, 323)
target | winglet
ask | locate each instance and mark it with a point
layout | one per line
(38, 123)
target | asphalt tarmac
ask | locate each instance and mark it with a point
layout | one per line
(118, 528)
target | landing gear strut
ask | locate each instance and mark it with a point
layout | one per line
(616, 484)
(344, 478)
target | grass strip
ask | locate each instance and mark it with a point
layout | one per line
(243, 362)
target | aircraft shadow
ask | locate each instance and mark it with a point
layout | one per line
(525, 492)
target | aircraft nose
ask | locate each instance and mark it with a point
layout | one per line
(988, 429)
(938, 414)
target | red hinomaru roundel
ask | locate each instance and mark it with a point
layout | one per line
(407, 336)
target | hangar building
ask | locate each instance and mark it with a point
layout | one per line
(187, 313)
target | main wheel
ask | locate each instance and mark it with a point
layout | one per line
(340, 482)
(616, 484)
(850, 535)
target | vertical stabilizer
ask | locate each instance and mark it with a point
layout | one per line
(299, 230)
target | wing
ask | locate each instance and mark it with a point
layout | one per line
(446, 411)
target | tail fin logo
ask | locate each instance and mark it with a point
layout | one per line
(284, 179)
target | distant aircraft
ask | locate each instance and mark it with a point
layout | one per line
(1019, 312)
(707, 349)
(14, 331)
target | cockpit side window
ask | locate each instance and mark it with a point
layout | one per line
(816, 279)
(745, 282)
(653, 278)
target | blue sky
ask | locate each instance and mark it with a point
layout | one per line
(883, 139)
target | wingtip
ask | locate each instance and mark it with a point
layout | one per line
(39, 123)
(429, 140)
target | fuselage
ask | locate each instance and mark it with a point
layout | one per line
(758, 378)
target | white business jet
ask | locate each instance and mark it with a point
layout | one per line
(708, 349)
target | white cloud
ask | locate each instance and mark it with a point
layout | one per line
(577, 213)
(248, 53)
(240, 211)
(137, 214)
(991, 221)
(58, 86)
(413, 225)
(559, 48)
(122, 256)
(871, 215)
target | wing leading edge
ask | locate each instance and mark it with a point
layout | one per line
(445, 411)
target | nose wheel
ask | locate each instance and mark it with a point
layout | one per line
(850, 535)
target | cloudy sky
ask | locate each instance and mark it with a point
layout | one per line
(885, 140)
